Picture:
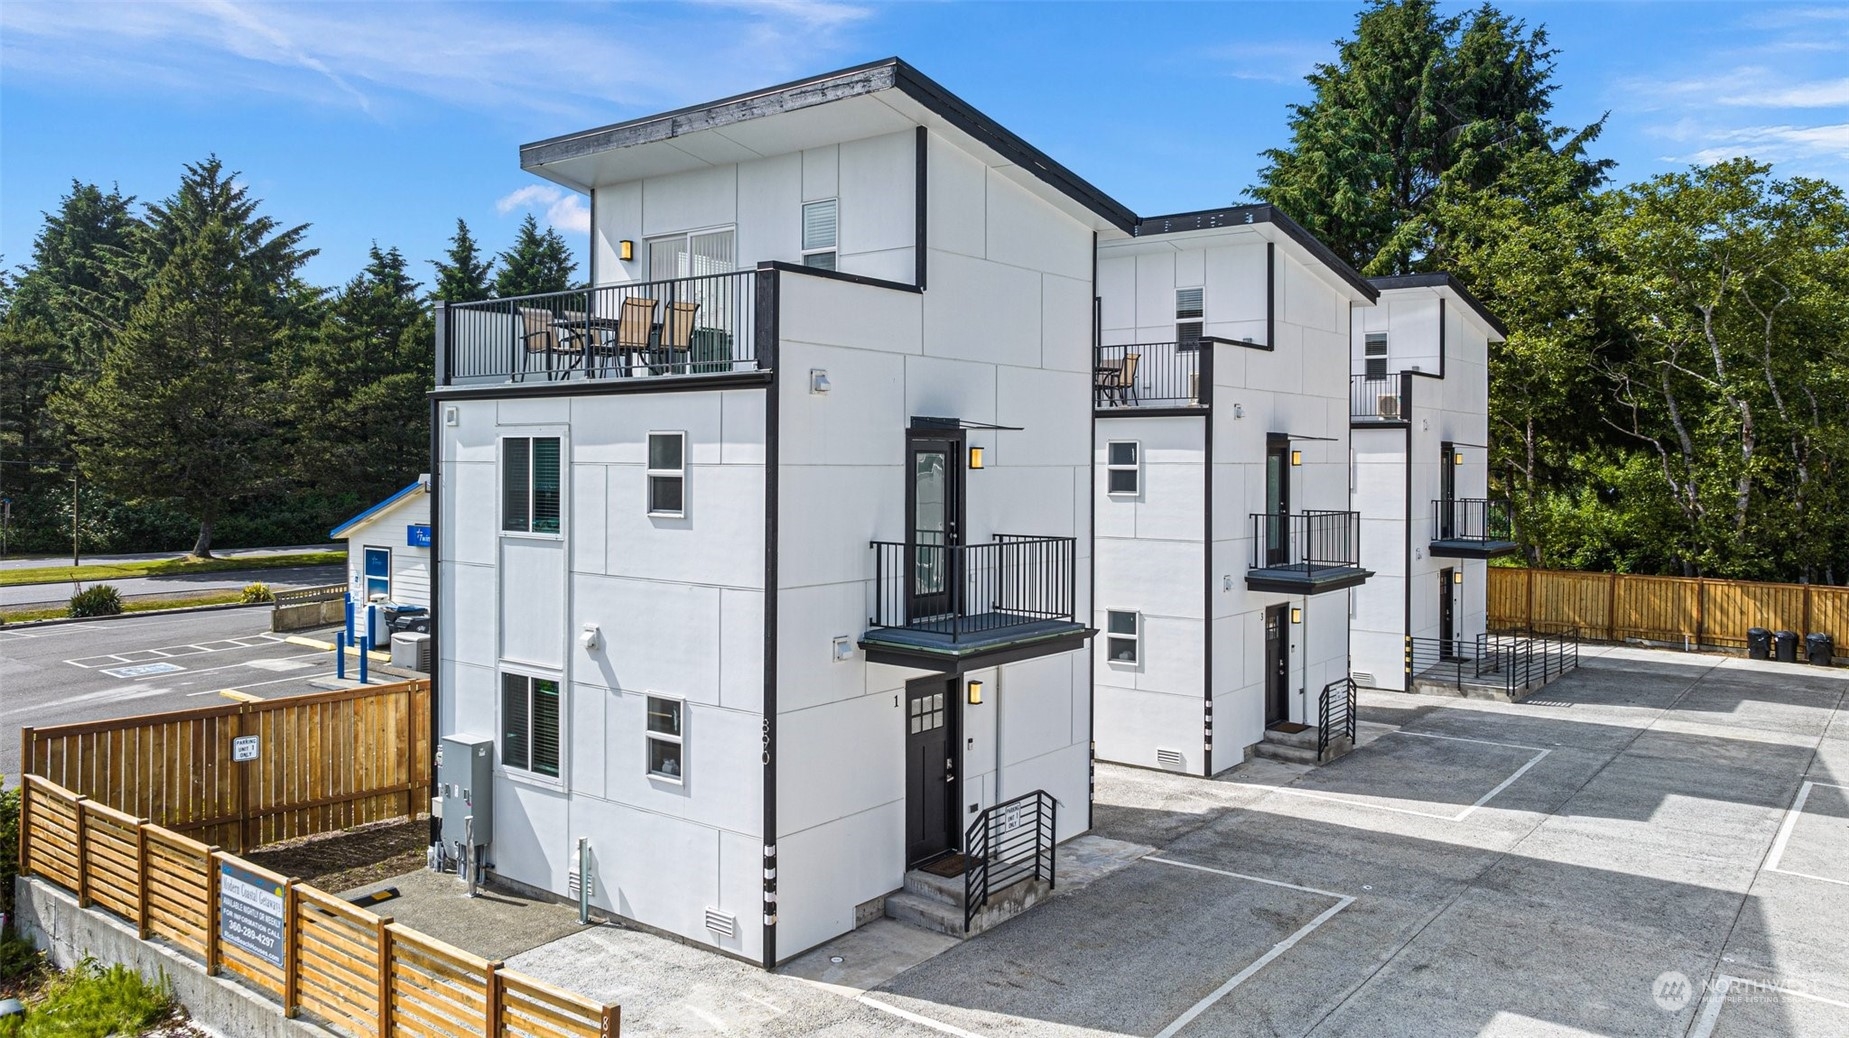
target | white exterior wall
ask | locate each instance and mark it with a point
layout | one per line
(1300, 389)
(1452, 409)
(410, 573)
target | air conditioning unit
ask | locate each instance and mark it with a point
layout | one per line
(411, 651)
(1389, 405)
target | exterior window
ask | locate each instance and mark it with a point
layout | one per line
(1123, 470)
(1188, 313)
(690, 255)
(530, 724)
(821, 232)
(530, 484)
(667, 473)
(1123, 638)
(664, 739)
(378, 573)
(1374, 354)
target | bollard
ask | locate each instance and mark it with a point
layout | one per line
(350, 638)
(340, 655)
(372, 629)
(584, 881)
(364, 654)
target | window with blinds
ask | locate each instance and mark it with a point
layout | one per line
(530, 724)
(1374, 354)
(530, 484)
(1189, 310)
(700, 254)
(667, 473)
(821, 233)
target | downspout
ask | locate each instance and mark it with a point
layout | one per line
(767, 334)
(1206, 355)
(441, 313)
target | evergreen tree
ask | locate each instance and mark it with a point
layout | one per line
(467, 276)
(1414, 103)
(537, 263)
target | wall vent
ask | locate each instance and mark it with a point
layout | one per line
(571, 884)
(721, 923)
(1365, 679)
(1170, 758)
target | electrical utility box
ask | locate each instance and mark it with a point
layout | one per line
(465, 777)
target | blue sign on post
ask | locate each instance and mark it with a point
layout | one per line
(417, 535)
(250, 913)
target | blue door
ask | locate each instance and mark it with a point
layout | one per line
(378, 572)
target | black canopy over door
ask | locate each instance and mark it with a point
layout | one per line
(934, 506)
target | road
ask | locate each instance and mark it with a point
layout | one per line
(20, 596)
(36, 561)
(114, 668)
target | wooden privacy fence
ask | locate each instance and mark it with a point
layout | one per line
(1678, 610)
(324, 762)
(359, 973)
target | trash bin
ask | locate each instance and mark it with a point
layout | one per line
(1758, 643)
(1820, 649)
(402, 618)
(1785, 646)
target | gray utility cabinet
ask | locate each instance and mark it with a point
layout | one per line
(465, 777)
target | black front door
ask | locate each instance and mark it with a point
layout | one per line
(1447, 633)
(934, 505)
(1277, 665)
(1277, 500)
(930, 774)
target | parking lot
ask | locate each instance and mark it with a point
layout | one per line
(1658, 845)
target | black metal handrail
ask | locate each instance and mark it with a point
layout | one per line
(1496, 660)
(1380, 398)
(968, 589)
(677, 326)
(1335, 715)
(1471, 519)
(1006, 844)
(1153, 374)
(1308, 540)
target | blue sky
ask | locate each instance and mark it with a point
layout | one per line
(389, 121)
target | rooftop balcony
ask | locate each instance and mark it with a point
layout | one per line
(1471, 528)
(673, 329)
(1153, 376)
(951, 608)
(1306, 553)
(1379, 399)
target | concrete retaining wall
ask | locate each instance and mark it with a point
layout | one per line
(51, 919)
(306, 615)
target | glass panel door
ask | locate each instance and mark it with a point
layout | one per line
(935, 511)
(1277, 502)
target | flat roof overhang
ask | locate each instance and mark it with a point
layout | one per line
(939, 654)
(1470, 548)
(1297, 580)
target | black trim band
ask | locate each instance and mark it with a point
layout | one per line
(595, 386)
(1446, 280)
(769, 332)
(837, 275)
(1209, 219)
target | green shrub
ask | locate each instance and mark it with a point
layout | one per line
(19, 960)
(93, 1001)
(258, 592)
(99, 600)
(9, 848)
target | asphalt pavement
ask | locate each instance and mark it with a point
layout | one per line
(65, 673)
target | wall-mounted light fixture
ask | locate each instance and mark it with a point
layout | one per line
(1239, 410)
(975, 693)
(1296, 457)
(975, 457)
(626, 250)
(843, 648)
(818, 381)
(1296, 614)
(1457, 576)
(1457, 457)
(590, 637)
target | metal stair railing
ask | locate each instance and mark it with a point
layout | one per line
(1335, 714)
(1006, 844)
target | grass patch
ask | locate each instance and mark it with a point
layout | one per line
(165, 567)
(92, 1001)
(15, 616)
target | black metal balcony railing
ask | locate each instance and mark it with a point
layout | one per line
(681, 326)
(1152, 374)
(1379, 398)
(1310, 540)
(973, 589)
(1471, 519)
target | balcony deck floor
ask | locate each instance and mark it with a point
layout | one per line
(951, 642)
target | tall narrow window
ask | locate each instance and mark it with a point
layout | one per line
(665, 743)
(1374, 355)
(530, 724)
(821, 233)
(530, 484)
(667, 473)
(1122, 636)
(1189, 310)
(1123, 469)
(378, 573)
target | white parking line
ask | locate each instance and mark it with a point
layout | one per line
(1792, 814)
(1717, 995)
(1539, 753)
(905, 1014)
(249, 641)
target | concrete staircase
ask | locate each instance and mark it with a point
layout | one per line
(1299, 747)
(936, 903)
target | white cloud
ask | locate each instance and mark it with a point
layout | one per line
(1275, 61)
(565, 210)
(1778, 144)
(1826, 93)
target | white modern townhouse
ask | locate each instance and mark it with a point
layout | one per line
(1420, 426)
(1227, 551)
(764, 562)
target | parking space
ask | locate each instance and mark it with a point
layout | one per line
(1421, 773)
(1813, 842)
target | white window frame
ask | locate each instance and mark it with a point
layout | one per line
(501, 474)
(1135, 468)
(686, 239)
(1369, 340)
(525, 770)
(677, 738)
(1135, 638)
(654, 473)
(1198, 318)
(833, 249)
(366, 577)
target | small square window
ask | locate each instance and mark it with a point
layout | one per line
(1123, 469)
(1122, 636)
(667, 473)
(665, 746)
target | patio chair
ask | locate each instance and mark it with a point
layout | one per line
(677, 334)
(633, 325)
(538, 336)
(1115, 381)
(576, 336)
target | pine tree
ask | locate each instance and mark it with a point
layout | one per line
(537, 263)
(467, 276)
